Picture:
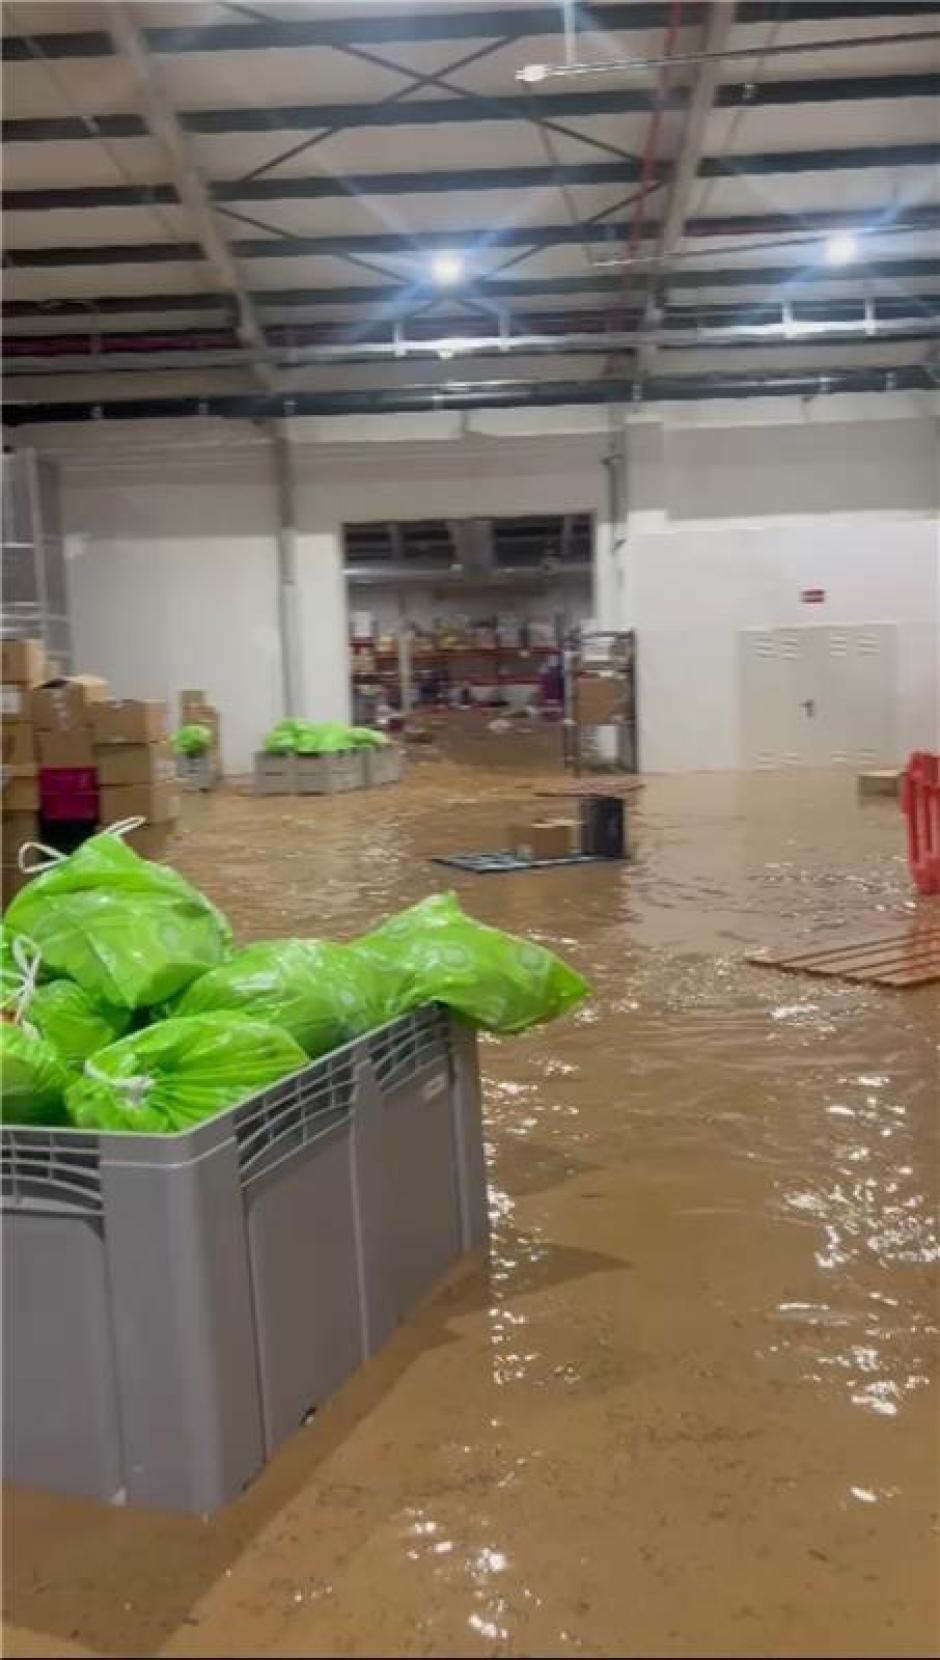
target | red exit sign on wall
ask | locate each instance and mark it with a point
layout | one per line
(813, 596)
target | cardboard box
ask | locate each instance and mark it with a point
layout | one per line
(12, 879)
(598, 699)
(128, 721)
(544, 839)
(22, 662)
(15, 702)
(16, 829)
(192, 698)
(886, 781)
(157, 803)
(19, 793)
(64, 704)
(72, 747)
(149, 840)
(135, 764)
(17, 746)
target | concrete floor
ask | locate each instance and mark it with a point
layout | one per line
(686, 1406)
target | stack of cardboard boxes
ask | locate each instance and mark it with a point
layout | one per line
(136, 770)
(22, 666)
(73, 758)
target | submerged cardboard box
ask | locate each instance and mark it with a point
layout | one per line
(128, 721)
(62, 705)
(135, 764)
(544, 839)
(72, 747)
(22, 662)
(17, 746)
(598, 699)
(157, 803)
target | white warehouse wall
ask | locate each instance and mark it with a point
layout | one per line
(728, 525)
(732, 510)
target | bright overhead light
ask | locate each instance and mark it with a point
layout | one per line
(841, 249)
(533, 72)
(447, 269)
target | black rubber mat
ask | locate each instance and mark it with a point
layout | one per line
(487, 864)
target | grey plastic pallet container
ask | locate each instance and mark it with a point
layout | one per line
(274, 774)
(329, 774)
(383, 766)
(195, 772)
(174, 1306)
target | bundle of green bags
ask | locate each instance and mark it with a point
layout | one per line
(301, 737)
(194, 738)
(124, 1007)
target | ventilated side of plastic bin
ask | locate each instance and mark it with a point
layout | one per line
(61, 1426)
(175, 1305)
(406, 1169)
(295, 1161)
(196, 772)
(274, 774)
(329, 774)
(383, 765)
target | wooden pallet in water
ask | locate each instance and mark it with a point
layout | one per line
(904, 956)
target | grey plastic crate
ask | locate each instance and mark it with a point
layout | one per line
(329, 774)
(274, 774)
(383, 766)
(174, 1306)
(195, 772)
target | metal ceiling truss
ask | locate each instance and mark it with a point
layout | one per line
(420, 24)
(489, 394)
(451, 181)
(162, 123)
(788, 332)
(865, 316)
(474, 241)
(466, 107)
(510, 290)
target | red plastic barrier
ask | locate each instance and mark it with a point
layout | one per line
(920, 803)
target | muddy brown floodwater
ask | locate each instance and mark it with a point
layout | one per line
(687, 1406)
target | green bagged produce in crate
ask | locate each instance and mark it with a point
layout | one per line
(322, 994)
(329, 738)
(174, 1074)
(58, 1011)
(193, 739)
(33, 1078)
(434, 953)
(282, 738)
(366, 737)
(129, 932)
(72, 1022)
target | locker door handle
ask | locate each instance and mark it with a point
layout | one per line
(809, 707)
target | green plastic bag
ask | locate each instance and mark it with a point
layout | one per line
(435, 953)
(59, 1011)
(329, 738)
(366, 737)
(72, 1022)
(33, 1078)
(193, 739)
(176, 1073)
(282, 738)
(129, 932)
(322, 994)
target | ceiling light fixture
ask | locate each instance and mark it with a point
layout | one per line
(841, 249)
(447, 269)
